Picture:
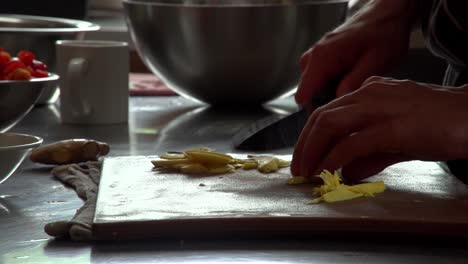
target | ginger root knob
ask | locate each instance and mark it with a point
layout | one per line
(70, 151)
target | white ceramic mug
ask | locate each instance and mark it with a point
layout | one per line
(93, 81)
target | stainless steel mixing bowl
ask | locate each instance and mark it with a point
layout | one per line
(236, 52)
(17, 98)
(14, 148)
(38, 34)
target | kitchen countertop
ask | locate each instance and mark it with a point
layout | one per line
(32, 197)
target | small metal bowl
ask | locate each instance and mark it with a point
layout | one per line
(13, 149)
(17, 98)
(229, 52)
(38, 34)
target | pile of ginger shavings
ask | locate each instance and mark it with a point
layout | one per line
(333, 190)
(207, 161)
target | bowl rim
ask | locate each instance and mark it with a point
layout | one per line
(37, 141)
(230, 3)
(95, 44)
(52, 77)
(74, 25)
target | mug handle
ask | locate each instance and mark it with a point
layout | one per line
(76, 69)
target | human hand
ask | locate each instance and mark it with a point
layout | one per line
(384, 122)
(367, 44)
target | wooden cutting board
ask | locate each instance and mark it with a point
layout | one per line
(136, 202)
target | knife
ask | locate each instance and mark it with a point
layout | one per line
(275, 132)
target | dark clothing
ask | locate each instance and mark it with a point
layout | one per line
(457, 77)
(445, 25)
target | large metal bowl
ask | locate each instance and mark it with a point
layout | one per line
(232, 51)
(38, 34)
(17, 98)
(13, 149)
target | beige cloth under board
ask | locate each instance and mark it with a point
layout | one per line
(84, 179)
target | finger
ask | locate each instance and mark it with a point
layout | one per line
(304, 60)
(365, 167)
(368, 65)
(381, 138)
(329, 128)
(346, 100)
(323, 65)
(296, 163)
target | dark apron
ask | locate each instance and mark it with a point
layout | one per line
(446, 29)
(457, 77)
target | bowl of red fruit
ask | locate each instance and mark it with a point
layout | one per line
(39, 34)
(23, 78)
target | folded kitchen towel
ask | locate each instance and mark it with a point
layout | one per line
(84, 179)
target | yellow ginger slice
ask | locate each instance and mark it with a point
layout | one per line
(164, 163)
(298, 180)
(221, 169)
(340, 194)
(170, 156)
(208, 157)
(330, 182)
(249, 165)
(283, 163)
(368, 189)
(333, 190)
(193, 168)
(268, 164)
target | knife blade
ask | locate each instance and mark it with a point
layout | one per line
(279, 132)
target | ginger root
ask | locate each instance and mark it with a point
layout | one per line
(69, 151)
